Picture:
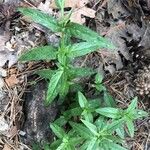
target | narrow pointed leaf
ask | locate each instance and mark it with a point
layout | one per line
(110, 128)
(133, 105)
(92, 144)
(59, 132)
(46, 73)
(120, 131)
(39, 53)
(114, 146)
(81, 72)
(82, 48)
(82, 100)
(109, 100)
(108, 112)
(86, 34)
(90, 126)
(53, 87)
(60, 3)
(41, 18)
(130, 126)
(81, 130)
(98, 78)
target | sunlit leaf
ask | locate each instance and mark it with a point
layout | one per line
(133, 105)
(81, 72)
(82, 100)
(41, 18)
(53, 87)
(86, 34)
(82, 48)
(60, 3)
(39, 53)
(98, 78)
(90, 126)
(130, 126)
(92, 144)
(110, 128)
(109, 112)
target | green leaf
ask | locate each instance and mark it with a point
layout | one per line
(87, 116)
(41, 18)
(141, 113)
(64, 85)
(98, 78)
(46, 73)
(100, 87)
(86, 34)
(39, 53)
(94, 103)
(110, 128)
(114, 146)
(59, 132)
(92, 144)
(109, 112)
(90, 126)
(120, 132)
(55, 144)
(81, 130)
(109, 100)
(132, 106)
(81, 72)
(72, 112)
(82, 100)
(61, 121)
(130, 126)
(60, 3)
(100, 122)
(53, 88)
(82, 48)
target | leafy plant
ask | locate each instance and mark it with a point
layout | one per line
(129, 115)
(62, 78)
(96, 127)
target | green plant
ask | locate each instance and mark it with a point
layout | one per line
(96, 127)
(62, 78)
(129, 115)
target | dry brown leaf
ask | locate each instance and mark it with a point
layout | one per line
(45, 7)
(79, 9)
(12, 132)
(71, 3)
(77, 15)
(12, 80)
(7, 147)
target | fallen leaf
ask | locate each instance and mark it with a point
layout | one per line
(71, 3)
(79, 10)
(7, 56)
(3, 125)
(12, 80)
(1, 83)
(45, 7)
(3, 72)
(85, 11)
(12, 132)
(6, 147)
